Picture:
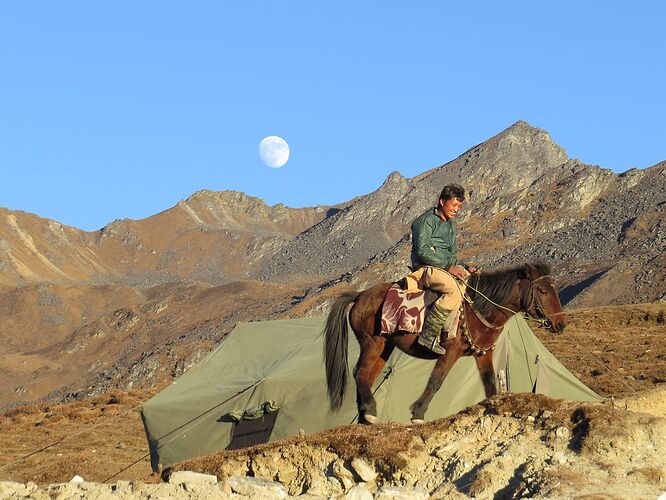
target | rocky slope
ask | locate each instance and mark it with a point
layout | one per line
(503, 165)
(136, 301)
(213, 237)
(527, 201)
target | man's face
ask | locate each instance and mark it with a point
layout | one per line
(450, 208)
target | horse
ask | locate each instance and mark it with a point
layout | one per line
(490, 300)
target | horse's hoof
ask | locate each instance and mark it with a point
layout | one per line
(418, 421)
(371, 419)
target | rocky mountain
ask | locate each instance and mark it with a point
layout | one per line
(506, 164)
(213, 237)
(527, 201)
(136, 302)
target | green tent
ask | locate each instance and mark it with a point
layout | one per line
(266, 381)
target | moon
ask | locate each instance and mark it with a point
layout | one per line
(274, 151)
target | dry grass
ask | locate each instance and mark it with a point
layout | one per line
(621, 334)
(652, 475)
(94, 438)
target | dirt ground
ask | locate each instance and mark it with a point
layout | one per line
(619, 351)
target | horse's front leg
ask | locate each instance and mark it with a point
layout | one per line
(442, 367)
(484, 364)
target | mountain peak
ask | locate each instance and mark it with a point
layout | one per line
(505, 163)
(522, 125)
(225, 195)
(530, 136)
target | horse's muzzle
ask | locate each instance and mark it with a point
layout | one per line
(556, 327)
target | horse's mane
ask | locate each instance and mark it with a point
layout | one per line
(497, 285)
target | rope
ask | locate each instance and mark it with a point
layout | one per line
(67, 438)
(636, 393)
(598, 363)
(470, 301)
(184, 431)
(124, 413)
(128, 467)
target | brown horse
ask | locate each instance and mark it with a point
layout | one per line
(496, 296)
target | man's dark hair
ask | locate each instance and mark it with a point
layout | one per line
(452, 191)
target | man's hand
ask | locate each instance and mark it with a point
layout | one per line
(473, 270)
(459, 272)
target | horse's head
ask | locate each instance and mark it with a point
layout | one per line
(540, 298)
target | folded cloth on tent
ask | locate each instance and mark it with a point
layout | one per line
(254, 413)
(403, 310)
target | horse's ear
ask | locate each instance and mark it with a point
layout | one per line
(537, 270)
(533, 271)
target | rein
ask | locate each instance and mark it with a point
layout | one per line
(477, 313)
(533, 301)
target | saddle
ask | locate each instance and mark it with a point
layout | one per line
(404, 310)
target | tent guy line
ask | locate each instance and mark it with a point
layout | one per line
(67, 438)
(197, 417)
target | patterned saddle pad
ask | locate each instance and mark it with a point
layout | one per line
(403, 310)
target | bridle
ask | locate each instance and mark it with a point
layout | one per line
(531, 302)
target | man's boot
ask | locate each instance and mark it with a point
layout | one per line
(432, 328)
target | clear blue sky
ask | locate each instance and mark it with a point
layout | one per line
(120, 109)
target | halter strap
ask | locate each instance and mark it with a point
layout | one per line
(538, 304)
(467, 299)
(486, 322)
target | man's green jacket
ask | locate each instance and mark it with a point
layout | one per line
(434, 242)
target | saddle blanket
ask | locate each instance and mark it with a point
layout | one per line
(403, 310)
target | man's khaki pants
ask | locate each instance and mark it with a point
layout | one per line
(440, 281)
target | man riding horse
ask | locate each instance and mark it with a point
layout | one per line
(436, 265)
(497, 295)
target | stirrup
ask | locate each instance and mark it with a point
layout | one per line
(434, 345)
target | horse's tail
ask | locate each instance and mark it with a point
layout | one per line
(335, 349)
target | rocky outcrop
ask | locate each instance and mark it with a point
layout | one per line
(511, 446)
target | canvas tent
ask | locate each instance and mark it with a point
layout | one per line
(266, 381)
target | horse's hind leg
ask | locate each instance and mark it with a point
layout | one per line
(440, 371)
(487, 371)
(371, 415)
(370, 363)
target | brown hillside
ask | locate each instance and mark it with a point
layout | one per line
(618, 351)
(214, 237)
(133, 304)
(111, 336)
